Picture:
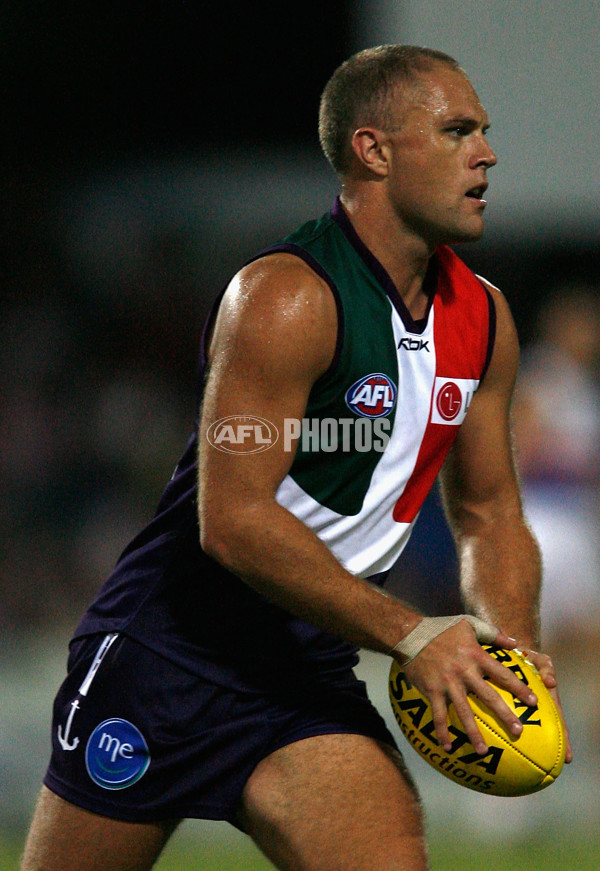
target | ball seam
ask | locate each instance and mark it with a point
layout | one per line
(512, 746)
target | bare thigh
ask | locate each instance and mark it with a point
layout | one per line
(64, 836)
(335, 803)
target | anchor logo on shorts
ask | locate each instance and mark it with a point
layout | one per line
(63, 738)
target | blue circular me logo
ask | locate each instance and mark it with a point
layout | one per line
(116, 755)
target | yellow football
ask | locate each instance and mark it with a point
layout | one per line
(512, 766)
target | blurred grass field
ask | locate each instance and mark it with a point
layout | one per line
(453, 851)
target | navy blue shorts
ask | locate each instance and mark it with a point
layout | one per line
(137, 738)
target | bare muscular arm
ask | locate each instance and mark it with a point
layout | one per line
(499, 556)
(500, 560)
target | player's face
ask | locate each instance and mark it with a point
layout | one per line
(440, 158)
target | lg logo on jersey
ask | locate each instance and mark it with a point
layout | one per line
(414, 344)
(451, 400)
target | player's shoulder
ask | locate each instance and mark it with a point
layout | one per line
(279, 281)
(498, 298)
(505, 356)
(489, 286)
(281, 268)
(504, 316)
(277, 301)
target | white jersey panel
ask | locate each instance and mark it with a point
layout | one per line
(371, 541)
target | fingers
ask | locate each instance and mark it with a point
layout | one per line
(494, 673)
(480, 679)
(465, 714)
(439, 710)
(494, 701)
(447, 670)
(508, 680)
(568, 748)
(475, 682)
(545, 667)
(505, 641)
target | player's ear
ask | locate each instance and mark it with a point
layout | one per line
(370, 148)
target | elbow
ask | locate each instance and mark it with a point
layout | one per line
(232, 529)
(227, 534)
(214, 540)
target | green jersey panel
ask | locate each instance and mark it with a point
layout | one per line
(341, 446)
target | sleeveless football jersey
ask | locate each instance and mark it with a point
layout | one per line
(417, 378)
(377, 428)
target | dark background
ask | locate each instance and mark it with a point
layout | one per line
(86, 84)
(97, 78)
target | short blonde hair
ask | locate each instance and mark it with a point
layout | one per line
(357, 93)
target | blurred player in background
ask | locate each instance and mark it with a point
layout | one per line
(557, 428)
(557, 433)
(342, 369)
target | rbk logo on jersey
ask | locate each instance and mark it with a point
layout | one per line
(451, 400)
(372, 396)
(408, 344)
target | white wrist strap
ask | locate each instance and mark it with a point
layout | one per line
(430, 627)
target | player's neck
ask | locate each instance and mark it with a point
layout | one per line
(404, 256)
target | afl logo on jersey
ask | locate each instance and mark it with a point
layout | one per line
(372, 396)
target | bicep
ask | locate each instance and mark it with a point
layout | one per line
(273, 337)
